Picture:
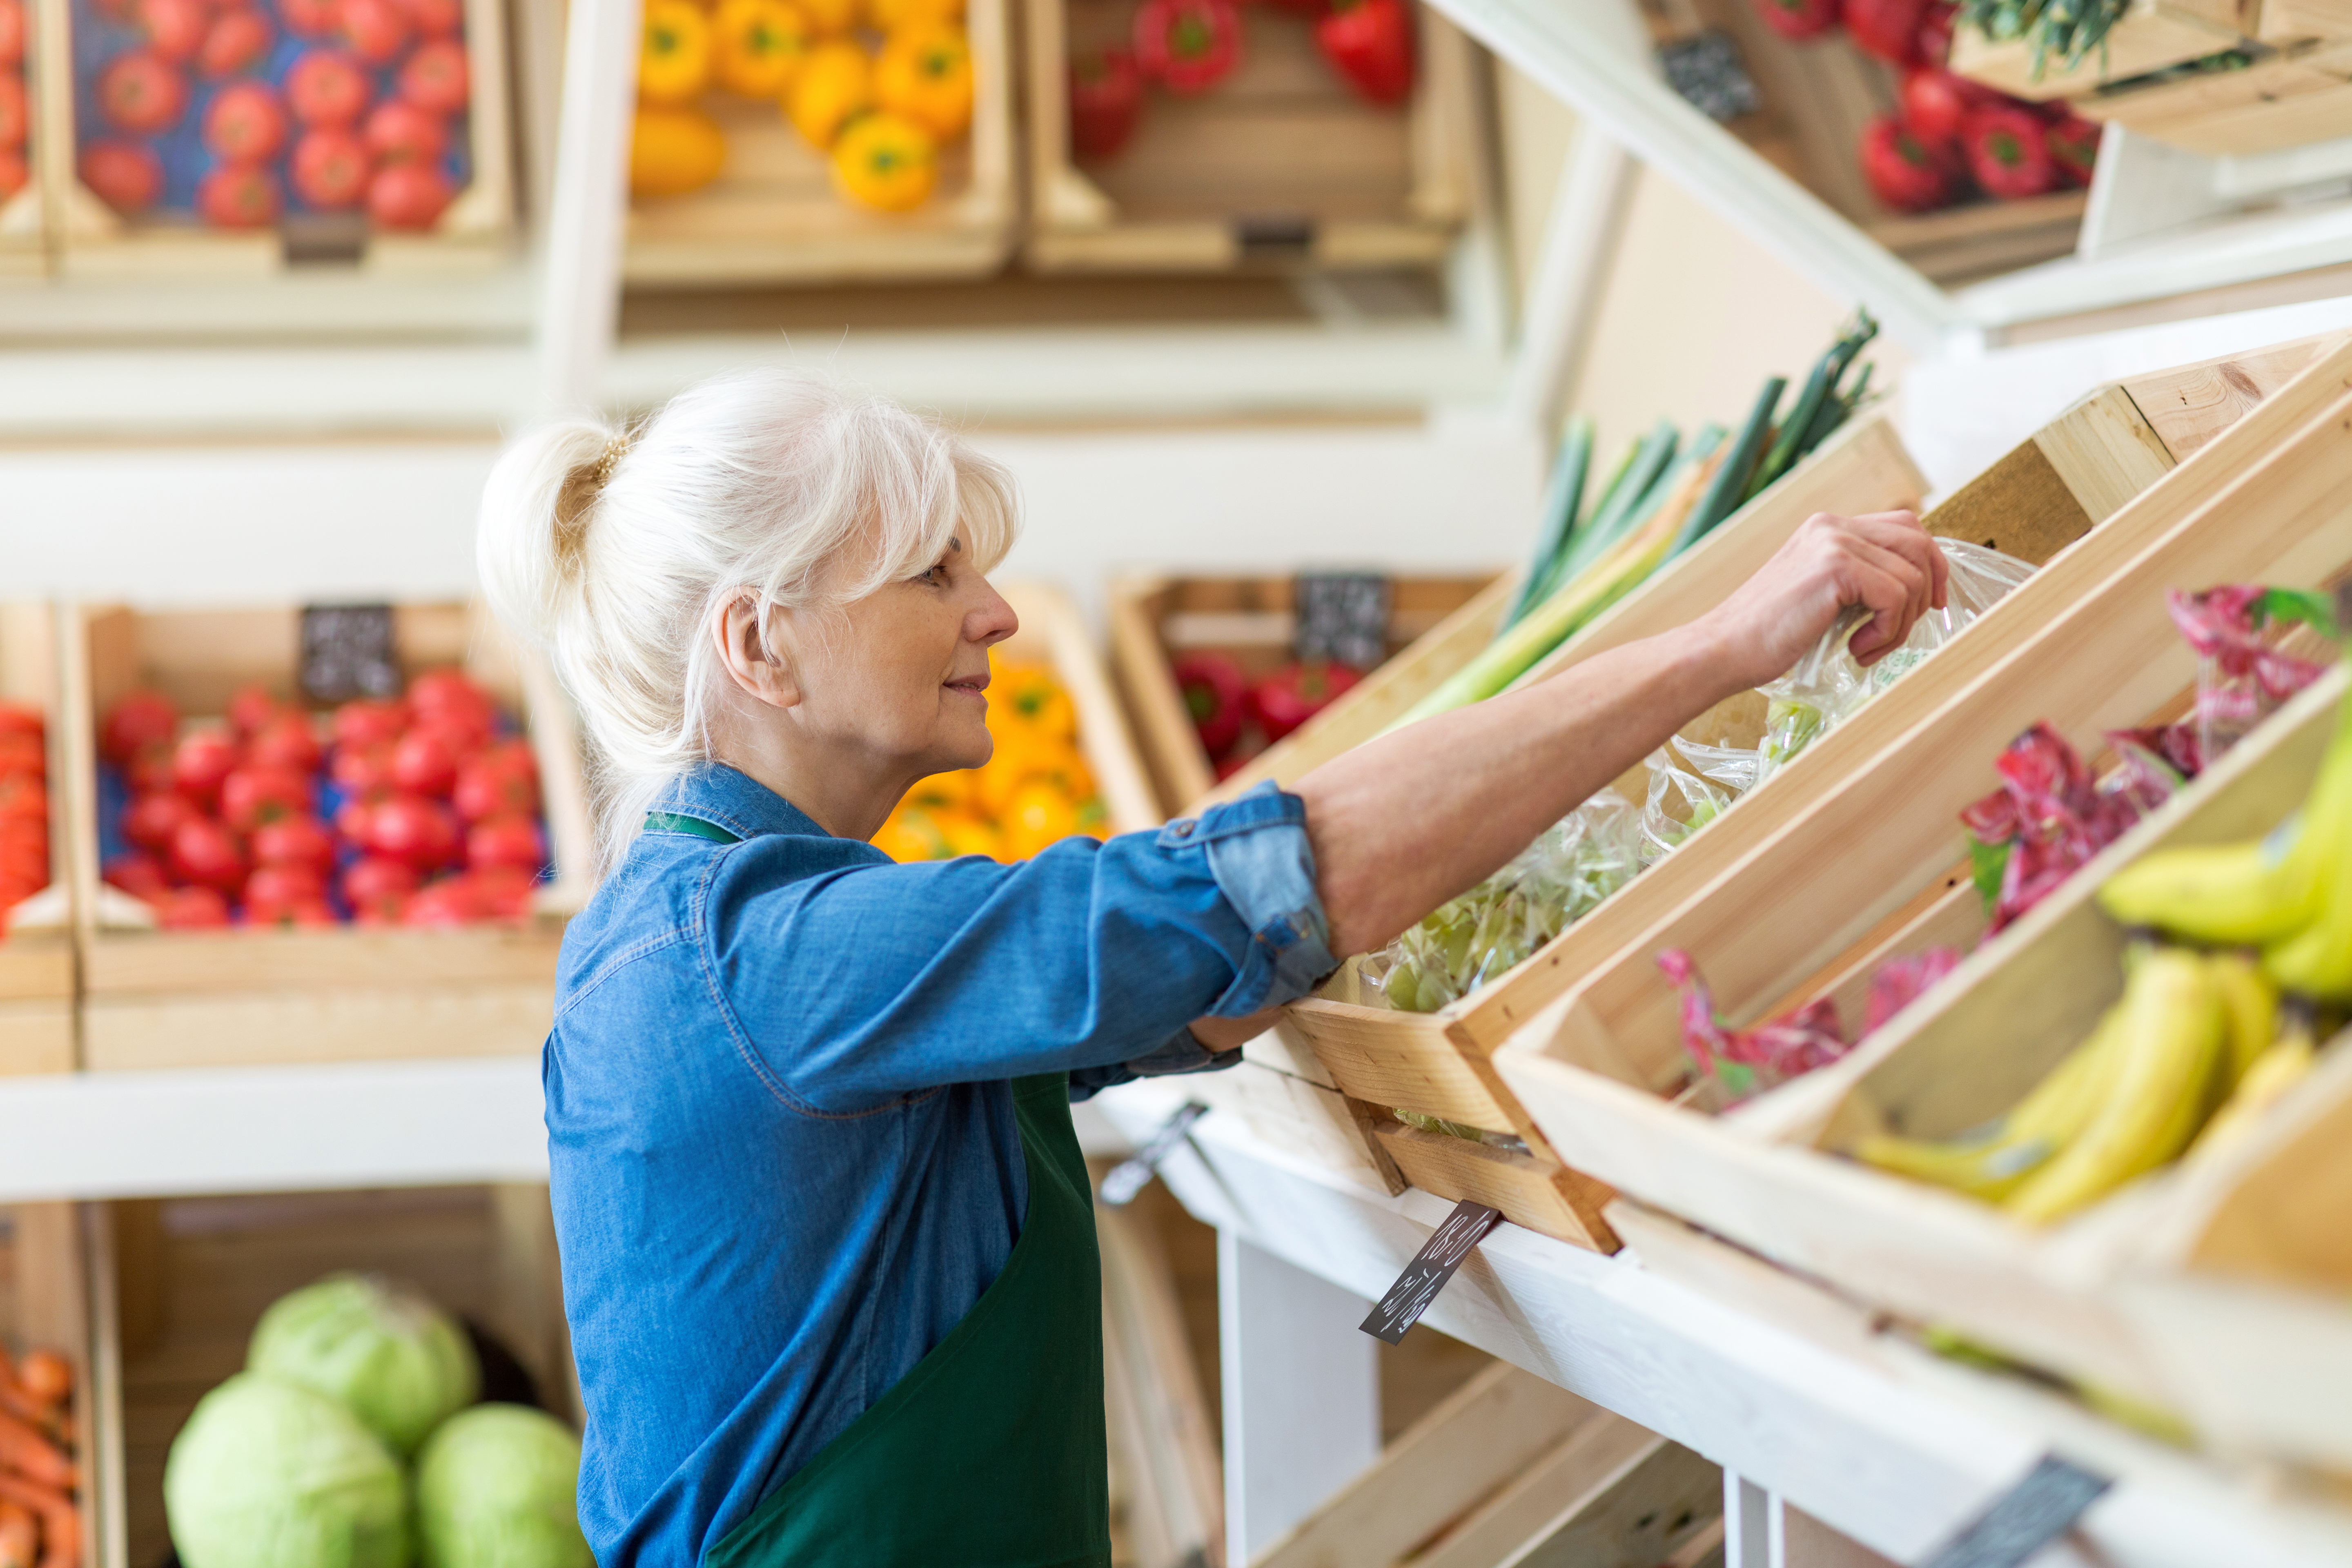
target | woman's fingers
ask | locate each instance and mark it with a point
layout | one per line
(1894, 579)
(1900, 533)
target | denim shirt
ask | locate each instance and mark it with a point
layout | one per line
(784, 1161)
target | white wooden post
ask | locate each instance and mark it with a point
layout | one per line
(1751, 1525)
(580, 293)
(1301, 1392)
(1563, 297)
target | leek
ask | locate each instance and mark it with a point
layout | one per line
(1728, 491)
(1562, 500)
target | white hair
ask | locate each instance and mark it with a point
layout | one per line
(797, 489)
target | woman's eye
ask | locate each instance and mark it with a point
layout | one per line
(937, 575)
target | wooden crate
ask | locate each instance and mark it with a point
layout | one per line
(155, 999)
(1873, 866)
(47, 1250)
(2300, 95)
(1053, 632)
(2151, 35)
(1279, 163)
(476, 233)
(189, 1277)
(36, 959)
(2071, 480)
(773, 215)
(1156, 618)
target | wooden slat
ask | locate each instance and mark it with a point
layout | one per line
(36, 1037)
(1530, 1194)
(1398, 1059)
(1171, 1445)
(1572, 1479)
(1291, 1114)
(319, 960)
(2103, 453)
(2189, 406)
(347, 1024)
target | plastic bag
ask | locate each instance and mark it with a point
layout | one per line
(1681, 802)
(2049, 817)
(1742, 1061)
(1828, 684)
(1463, 943)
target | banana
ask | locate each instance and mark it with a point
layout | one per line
(2173, 1036)
(2279, 1069)
(2316, 961)
(2249, 1003)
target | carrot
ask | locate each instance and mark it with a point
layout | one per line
(20, 1536)
(24, 1450)
(14, 1401)
(46, 1377)
(60, 1525)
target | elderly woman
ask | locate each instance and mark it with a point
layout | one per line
(827, 1249)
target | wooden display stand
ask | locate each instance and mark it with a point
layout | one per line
(1154, 619)
(36, 959)
(1873, 869)
(155, 999)
(1279, 163)
(772, 215)
(475, 234)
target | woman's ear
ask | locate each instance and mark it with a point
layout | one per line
(759, 667)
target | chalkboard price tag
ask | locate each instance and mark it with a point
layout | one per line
(1431, 1267)
(1132, 1174)
(1342, 616)
(2028, 1517)
(347, 652)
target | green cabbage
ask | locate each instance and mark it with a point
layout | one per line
(266, 1475)
(394, 1358)
(495, 1488)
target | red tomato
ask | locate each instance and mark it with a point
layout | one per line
(12, 112)
(331, 170)
(13, 171)
(1887, 28)
(1934, 45)
(138, 875)
(1904, 172)
(246, 123)
(287, 742)
(373, 876)
(25, 855)
(351, 817)
(361, 770)
(436, 18)
(436, 78)
(326, 89)
(252, 706)
(312, 18)
(251, 796)
(236, 41)
(238, 196)
(364, 721)
(409, 828)
(282, 885)
(290, 912)
(447, 696)
(1798, 18)
(2008, 152)
(1105, 101)
(1933, 103)
(507, 839)
(151, 771)
(21, 719)
(301, 841)
(151, 820)
(141, 93)
(506, 890)
(190, 909)
(201, 763)
(377, 30)
(491, 783)
(2074, 144)
(125, 175)
(23, 796)
(207, 854)
(451, 902)
(424, 763)
(175, 28)
(12, 32)
(400, 132)
(385, 909)
(22, 753)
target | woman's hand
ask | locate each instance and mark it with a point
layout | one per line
(1884, 562)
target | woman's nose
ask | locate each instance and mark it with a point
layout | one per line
(993, 620)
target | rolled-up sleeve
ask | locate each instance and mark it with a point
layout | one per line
(852, 980)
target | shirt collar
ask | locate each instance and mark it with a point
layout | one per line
(736, 802)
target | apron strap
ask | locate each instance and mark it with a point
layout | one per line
(671, 822)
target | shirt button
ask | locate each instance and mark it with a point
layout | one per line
(1183, 830)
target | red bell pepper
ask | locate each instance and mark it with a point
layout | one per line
(1933, 46)
(1296, 693)
(1369, 42)
(1188, 45)
(1105, 101)
(1798, 18)
(2074, 144)
(1933, 103)
(2008, 151)
(1887, 28)
(1216, 694)
(1903, 170)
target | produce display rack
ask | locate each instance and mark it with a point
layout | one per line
(1278, 164)
(157, 999)
(37, 957)
(773, 215)
(87, 238)
(1157, 618)
(1872, 867)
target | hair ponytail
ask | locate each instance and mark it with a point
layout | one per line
(615, 557)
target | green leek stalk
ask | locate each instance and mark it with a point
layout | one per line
(1796, 437)
(1610, 522)
(1728, 491)
(1563, 500)
(1616, 478)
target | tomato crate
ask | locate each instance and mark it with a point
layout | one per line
(1156, 619)
(772, 214)
(129, 141)
(1871, 866)
(155, 998)
(187, 1279)
(1280, 164)
(37, 959)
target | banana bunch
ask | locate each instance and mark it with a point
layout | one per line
(2289, 895)
(2192, 1044)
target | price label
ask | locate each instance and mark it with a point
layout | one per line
(2028, 1517)
(1431, 1267)
(347, 652)
(1342, 616)
(1709, 75)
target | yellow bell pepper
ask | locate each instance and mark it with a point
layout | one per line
(761, 44)
(831, 18)
(887, 16)
(885, 162)
(1038, 814)
(1028, 695)
(925, 74)
(833, 82)
(673, 53)
(674, 151)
